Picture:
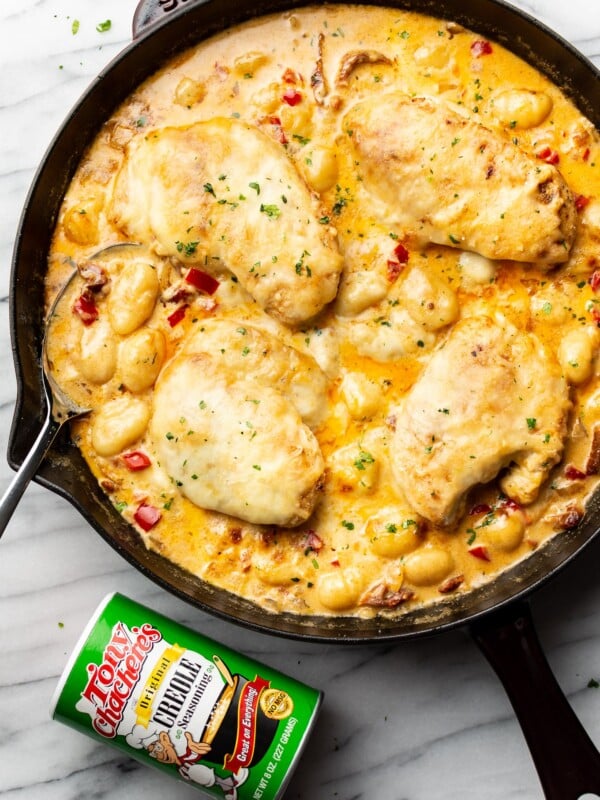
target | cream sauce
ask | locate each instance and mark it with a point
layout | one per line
(363, 551)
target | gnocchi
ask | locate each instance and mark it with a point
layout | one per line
(320, 168)
(521, 109)
(576, 353)
(132, 297)
(141, 357)
(340, 589)
(393, 532)
(428, 566)
(188, 92)
(505, 531)
(354, 469)
(118, 425)
(80, 222)
(434, 304)
(97, 354)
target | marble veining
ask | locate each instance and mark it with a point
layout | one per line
(424, 720)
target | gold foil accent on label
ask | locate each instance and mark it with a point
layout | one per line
(276, 704)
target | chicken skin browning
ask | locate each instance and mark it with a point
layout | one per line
(222, 194)
(490, 398)
(449, 180)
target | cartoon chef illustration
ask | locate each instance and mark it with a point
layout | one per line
(159, 745)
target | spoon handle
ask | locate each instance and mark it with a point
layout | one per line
(27, 470)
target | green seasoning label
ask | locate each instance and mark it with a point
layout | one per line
(185, 704)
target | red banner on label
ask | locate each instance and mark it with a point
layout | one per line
(245, 742)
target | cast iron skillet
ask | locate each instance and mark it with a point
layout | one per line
(497, 615)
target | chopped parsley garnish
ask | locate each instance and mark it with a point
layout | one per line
(338, 205)
(303, 140)
(102, 27)
(301, 267)
(348, 525)
(187, 248)
(272, 211)
(363, 458)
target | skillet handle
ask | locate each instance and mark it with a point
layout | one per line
(149, 12)
(567, 761)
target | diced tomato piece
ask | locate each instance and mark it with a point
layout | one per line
(480, 508)
(147, 516)
(202, 280)
(85, 307)
(335, 563)
(401, 253)
(581, 201)
(594, 280)
(292, 97)
(481, 47)
(574, 474)
(136, 460)
(548, 155)
(177, 315)
(586, 154)
(480, 552)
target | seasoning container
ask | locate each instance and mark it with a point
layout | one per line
(170, 697)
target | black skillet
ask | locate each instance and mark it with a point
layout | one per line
(497, 615)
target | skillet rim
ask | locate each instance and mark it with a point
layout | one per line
(80, 488)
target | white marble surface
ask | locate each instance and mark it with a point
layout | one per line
(426, 720)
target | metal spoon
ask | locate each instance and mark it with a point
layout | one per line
(60, 408)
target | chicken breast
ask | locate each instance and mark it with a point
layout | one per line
(491, 398)
(231, 441)
(222, 193)
(452, 181)
(243, 350)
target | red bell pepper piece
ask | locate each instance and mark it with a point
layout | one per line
(201, 280)
(147, 516)
(136, 460)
